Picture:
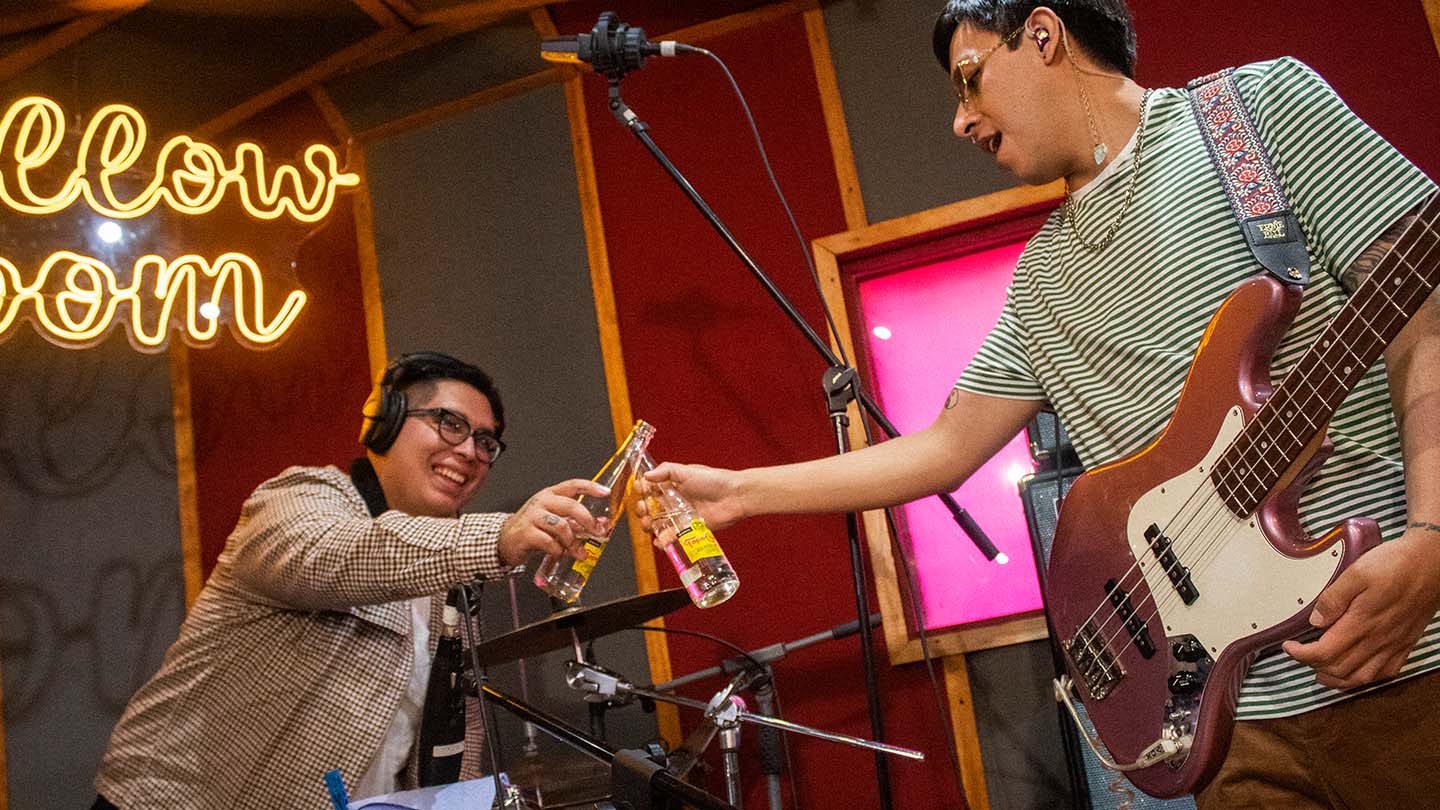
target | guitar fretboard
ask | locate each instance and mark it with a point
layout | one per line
(1303, 403)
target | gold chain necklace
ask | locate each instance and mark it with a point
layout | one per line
(1068, 210)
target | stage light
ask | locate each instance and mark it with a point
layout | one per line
(209, 310)
(109, 232)
(882, 332)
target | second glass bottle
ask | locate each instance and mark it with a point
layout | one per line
(564, 577)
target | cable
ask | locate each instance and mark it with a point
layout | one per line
(784, 738)
(696, 633)
(916, 607)
(917, 610)
(790, 215)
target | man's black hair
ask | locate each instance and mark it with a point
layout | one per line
(416, 374)
(1104, 29)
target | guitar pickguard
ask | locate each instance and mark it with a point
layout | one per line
(1244, 583)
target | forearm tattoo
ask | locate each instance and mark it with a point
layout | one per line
(952, 399)
(1360, 270)
(1422, 525)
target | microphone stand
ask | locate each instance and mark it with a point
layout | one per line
(840, 387)
(507, 796)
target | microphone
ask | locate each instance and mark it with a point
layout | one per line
(612, 48)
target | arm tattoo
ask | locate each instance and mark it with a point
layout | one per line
(952, 399)
(1360, 270)
(1420, 524)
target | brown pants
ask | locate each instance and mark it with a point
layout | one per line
(1378, 751)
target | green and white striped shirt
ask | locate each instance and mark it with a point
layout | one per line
(1107, 337)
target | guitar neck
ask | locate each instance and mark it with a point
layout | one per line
(1306, 399)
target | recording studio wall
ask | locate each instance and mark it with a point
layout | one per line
(480, 247)
(486, 259)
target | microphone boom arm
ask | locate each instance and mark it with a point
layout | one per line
(632, 122)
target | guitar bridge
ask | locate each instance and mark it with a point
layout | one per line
(1094, 663)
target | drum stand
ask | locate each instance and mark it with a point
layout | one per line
(723, 714)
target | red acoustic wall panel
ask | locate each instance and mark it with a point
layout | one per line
(728, 381)
(1379, 55)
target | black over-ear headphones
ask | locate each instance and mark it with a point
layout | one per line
(385, 409)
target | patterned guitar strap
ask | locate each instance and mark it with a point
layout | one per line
(1248, 176)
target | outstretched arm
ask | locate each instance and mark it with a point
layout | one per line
(969, 430)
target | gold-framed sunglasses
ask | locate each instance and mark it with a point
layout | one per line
(966, 73)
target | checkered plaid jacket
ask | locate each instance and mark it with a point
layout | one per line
(295, 656)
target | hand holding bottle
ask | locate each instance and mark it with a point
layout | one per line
(548, 521)
(711, 491)
(686, 539)
(564, 578)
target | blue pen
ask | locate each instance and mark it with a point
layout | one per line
(336, 785)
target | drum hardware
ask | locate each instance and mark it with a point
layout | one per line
(636, 781)
(507, 796)
(532, 747)
(571, 626)
(772, 754)
(723, 714)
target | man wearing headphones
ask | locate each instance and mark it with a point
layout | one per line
(309, 647)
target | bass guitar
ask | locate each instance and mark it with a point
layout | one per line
(1174, 568)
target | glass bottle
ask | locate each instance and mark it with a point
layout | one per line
(692, 548)
(442, 723)
(563, 577)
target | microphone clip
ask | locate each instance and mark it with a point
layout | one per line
(615, 48)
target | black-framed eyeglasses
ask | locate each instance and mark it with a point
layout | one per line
(966, 73)
(455, 429)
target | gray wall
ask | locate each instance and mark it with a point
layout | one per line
(899, 106)
(482, 253)
(91, 591)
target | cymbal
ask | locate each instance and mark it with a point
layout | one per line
(557, 781)
(593, 621)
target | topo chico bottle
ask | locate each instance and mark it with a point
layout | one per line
(564, 577)
(692, 548)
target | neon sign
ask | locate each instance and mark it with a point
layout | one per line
(74, 300)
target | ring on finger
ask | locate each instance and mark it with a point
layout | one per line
(552, 520)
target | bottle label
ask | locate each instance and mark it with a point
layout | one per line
(592, 555)
(698, 542)
(448, 750)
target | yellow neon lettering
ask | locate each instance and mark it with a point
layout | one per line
(189, 176)
(30, 134)
(83, 308)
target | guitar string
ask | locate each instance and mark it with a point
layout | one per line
(1340, 341)
(1313, 392)
(1205, 553)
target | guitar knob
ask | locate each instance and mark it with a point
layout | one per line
(1184, 683)
(1188, 651)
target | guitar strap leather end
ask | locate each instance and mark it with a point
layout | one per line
(1248, 176)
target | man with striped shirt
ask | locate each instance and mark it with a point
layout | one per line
(1106, 308)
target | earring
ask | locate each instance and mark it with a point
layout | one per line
(1042, 38)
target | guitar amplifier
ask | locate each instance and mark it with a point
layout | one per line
(1094, 786)
(1049, 444)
